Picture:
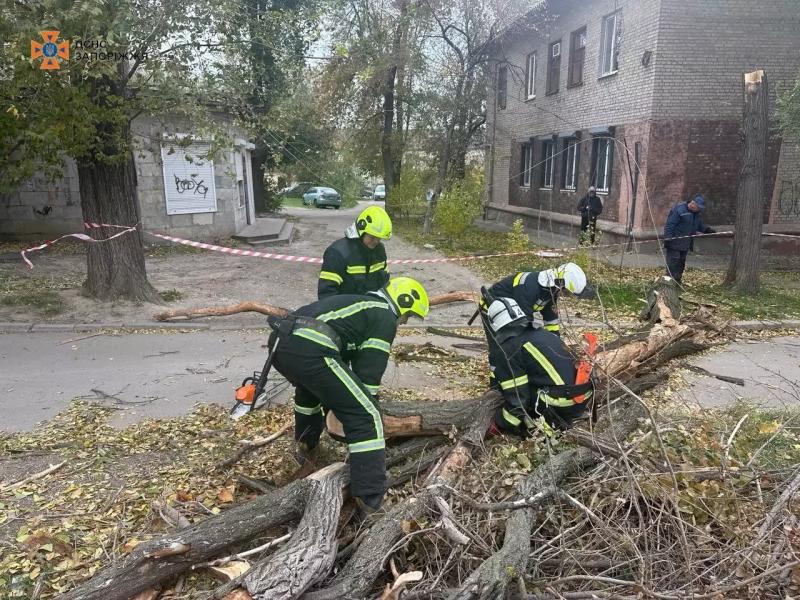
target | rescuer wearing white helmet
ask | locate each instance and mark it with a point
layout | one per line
(537, 292)
(534, 292)
(544, 385)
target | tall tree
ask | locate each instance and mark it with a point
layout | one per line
(743, 272)
(129, 58)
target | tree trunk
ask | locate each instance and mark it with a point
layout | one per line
(387, 131)
(204, 540)
(665, 289)
(115, 269)
(309, 555)
(745, 263)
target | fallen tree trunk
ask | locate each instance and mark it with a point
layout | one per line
(188, 314)
(309, 554)
(492, 579)
(154, 562)
(357, 577)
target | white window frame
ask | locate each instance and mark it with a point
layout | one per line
(571, 165)
(527, 159)
(530, 77)
(556, 49)
(548, 166)
(606, 182)
(608, 56)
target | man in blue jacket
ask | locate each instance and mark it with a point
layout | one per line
(684, 220)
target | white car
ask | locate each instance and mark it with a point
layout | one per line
(379, 193)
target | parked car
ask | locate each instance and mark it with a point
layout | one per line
(296, 190)
(379, 193)
(366, 193)
(322, 196)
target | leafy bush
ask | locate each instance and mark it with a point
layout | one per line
(459, 205)
(408, 195)
(516, 238)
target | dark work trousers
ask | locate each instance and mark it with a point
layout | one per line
(676, 263)
(588, 224)
(324, 382)
(558, 417)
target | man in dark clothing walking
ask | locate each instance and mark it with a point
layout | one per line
(684, 221)
(356, 263)
(590, 207)
(317, 343)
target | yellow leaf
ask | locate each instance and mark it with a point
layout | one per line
(34, 573)
(768, 428)
(131, 544)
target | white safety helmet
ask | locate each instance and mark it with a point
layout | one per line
(569, 276)
(503, 312)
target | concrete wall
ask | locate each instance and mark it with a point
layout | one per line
(43, 209)
(40, 207)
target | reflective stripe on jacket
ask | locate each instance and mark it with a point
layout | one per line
(349, 267)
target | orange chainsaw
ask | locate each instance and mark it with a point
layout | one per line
(252, 394)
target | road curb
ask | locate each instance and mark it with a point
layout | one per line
(28, 327)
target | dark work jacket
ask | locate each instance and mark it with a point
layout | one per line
(366, 325)
(531, 297)
(592, 205)
(683, 222)
(349, 267)
(527, 364)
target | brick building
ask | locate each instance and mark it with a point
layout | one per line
(577, 95)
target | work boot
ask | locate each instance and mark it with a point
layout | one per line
(303, 455)
(369, 506)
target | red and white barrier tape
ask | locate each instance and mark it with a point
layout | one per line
(551, 253)
(78, 236)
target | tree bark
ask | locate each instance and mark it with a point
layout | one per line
(309, 555)
(745, 262)
(668, 290)
(115, 269)
(205, 540)
(277, 311)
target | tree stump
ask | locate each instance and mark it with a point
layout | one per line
(667, 290)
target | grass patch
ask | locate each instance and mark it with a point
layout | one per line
(622, 290)
(39, 293)
(172, 295)
(298, 203)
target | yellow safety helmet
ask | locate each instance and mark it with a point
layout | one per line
(408, 295)
(374, 221)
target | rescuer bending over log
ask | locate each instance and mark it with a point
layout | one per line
(544, 386)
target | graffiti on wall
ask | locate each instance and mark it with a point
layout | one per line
(186, 185)
(789, 199)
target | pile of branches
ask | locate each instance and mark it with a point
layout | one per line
(601, 515)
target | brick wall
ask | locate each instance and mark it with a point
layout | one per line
(704, 47)
(623, 98)
(686, 105)
(785, 203)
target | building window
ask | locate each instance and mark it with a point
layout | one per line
(525, 179)
(530, 76)
(577, 51)
(569, 174)
(502, 86)
(609, 45)
(553, 67)
(548, 150)
(603, 152)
